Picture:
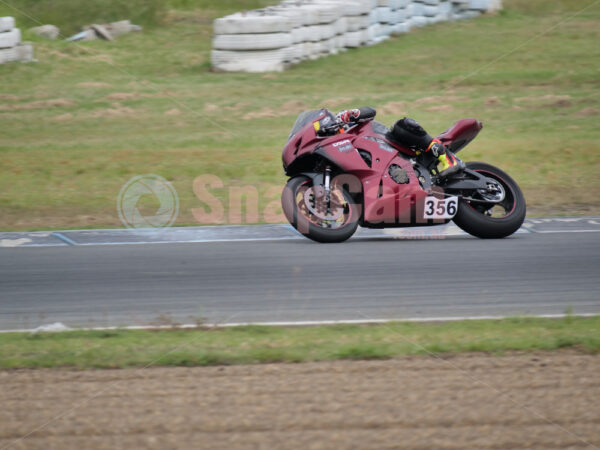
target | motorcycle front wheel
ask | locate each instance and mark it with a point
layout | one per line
(496, 219)
(319, 217)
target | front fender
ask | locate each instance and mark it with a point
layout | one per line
(306, 163)
(317, 178)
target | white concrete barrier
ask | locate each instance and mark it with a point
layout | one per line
(251, 60)
(273, 38)
(401, 27)
(10, 38)
(258, 41)
(356, 23)
(11, 47)
(251, 22)
(8, 55)
(6, 24)
(418, 21)
(480, 5)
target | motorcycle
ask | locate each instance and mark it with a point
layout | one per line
(345, 175)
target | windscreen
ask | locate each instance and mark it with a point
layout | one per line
(304, 118)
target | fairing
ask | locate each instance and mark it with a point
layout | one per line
(385, 202)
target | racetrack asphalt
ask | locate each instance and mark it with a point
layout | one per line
(376, 276)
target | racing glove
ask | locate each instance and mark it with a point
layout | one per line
(347, 116)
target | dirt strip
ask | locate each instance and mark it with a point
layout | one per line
(535, 401)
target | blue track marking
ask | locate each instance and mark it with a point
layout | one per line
(65, 239)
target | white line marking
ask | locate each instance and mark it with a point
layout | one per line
(441, 235)
(440, 232)
(195, 241)
(567, 231)
(308, 323)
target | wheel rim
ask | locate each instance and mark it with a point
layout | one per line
(501, 209)
(311, 203)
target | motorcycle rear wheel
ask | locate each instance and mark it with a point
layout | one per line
(334, 221)
(483, 219)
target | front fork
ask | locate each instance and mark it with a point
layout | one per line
(327, 184)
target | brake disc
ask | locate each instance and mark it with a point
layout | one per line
(317, 204)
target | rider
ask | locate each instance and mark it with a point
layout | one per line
(408, 132)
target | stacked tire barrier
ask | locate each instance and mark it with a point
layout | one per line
(273, 38)
(11, 47)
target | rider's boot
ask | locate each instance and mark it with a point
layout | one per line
(449, 163)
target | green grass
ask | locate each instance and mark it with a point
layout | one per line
(71, 15)
(71, 139)
(261, 344)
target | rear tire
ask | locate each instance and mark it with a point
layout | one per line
(311, 226)
(472, 218)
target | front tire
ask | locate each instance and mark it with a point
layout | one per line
(335, 221)
(481, 219)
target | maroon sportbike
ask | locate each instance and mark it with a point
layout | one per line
(345, 175)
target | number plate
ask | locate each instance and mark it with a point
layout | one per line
(440, 208)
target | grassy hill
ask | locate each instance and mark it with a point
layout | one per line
(78, 124)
